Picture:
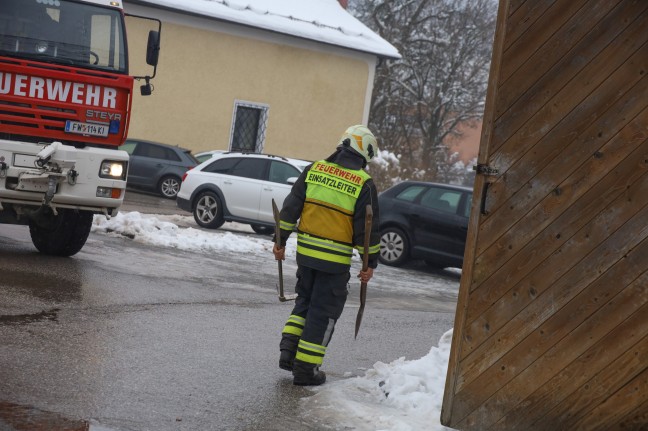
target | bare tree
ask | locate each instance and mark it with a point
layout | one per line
(439, 85)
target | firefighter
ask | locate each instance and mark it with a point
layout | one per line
(329, 199)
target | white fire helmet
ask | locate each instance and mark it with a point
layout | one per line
(361, 140)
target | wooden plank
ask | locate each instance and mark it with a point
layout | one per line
(522, 15)
(635, 420)
(587, 197)
(447, 410)
(614, 408)
(538, 81)
(514, 5)
(617, 347)
(562, 212)
(551, 193)
(586, 320)
(572, 268)
(555, 335)
(530, 333)
(492, 366)
(518, 183)
(537, 34)
(563, 120)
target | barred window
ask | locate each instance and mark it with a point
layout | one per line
(249, 127)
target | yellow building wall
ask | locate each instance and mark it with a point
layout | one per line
(312, 95)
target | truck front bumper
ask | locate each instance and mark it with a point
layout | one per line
(69, 178)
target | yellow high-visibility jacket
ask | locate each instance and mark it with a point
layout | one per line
(329, 201)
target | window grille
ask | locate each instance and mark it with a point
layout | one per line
(249, 127)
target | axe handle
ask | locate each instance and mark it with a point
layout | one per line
(365, 265)
(275, 212)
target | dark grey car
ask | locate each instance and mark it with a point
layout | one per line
(422, 220)
(157, 167)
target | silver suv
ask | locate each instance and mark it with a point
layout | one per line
(238, 187)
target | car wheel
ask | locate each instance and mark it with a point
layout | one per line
(394, 247)
(169, 186)
(262, 230)
(208, 211)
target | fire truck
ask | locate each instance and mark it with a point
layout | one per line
(65, 101)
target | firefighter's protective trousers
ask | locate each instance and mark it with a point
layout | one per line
(319, 304)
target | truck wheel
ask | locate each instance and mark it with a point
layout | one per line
(169, 186)
(208, 211)
(65, 236)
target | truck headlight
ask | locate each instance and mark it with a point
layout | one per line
(112, 169)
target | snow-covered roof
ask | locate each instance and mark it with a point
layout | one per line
(318, 20)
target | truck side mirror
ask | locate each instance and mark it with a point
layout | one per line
(153, 48)
(152, 53)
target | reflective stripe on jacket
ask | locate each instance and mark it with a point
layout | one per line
(326, 223)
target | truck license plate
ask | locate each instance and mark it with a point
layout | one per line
(86, 128)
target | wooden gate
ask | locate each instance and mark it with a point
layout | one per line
(551, 329)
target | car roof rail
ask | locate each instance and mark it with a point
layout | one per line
(256, 154)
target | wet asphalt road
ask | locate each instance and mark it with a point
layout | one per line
(125, 336)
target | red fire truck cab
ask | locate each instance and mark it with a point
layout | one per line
(65, 100)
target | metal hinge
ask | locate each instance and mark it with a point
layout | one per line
(485, 169)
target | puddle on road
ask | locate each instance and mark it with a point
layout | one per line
(14, 417)
(55, 280)
(22, 319)
(50, 287)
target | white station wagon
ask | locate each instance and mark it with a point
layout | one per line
(238, 187)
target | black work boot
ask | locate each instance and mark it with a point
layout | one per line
(305, 374)
(288, 347)
(286, 360)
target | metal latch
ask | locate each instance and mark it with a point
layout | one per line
(485, 169)
(72, 176)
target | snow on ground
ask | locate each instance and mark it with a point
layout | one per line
(165, 231)
(400, 396)
(404, 395)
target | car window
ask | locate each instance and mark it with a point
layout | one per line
(280, 172)
(128, 147)
(410, 193)
(142, 149)
(221, 166)
(191, 157)
(169, 154)
(441, 199)
(250, 168)
(145, 149)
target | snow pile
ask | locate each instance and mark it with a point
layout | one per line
(146, 229)
(399, 396)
